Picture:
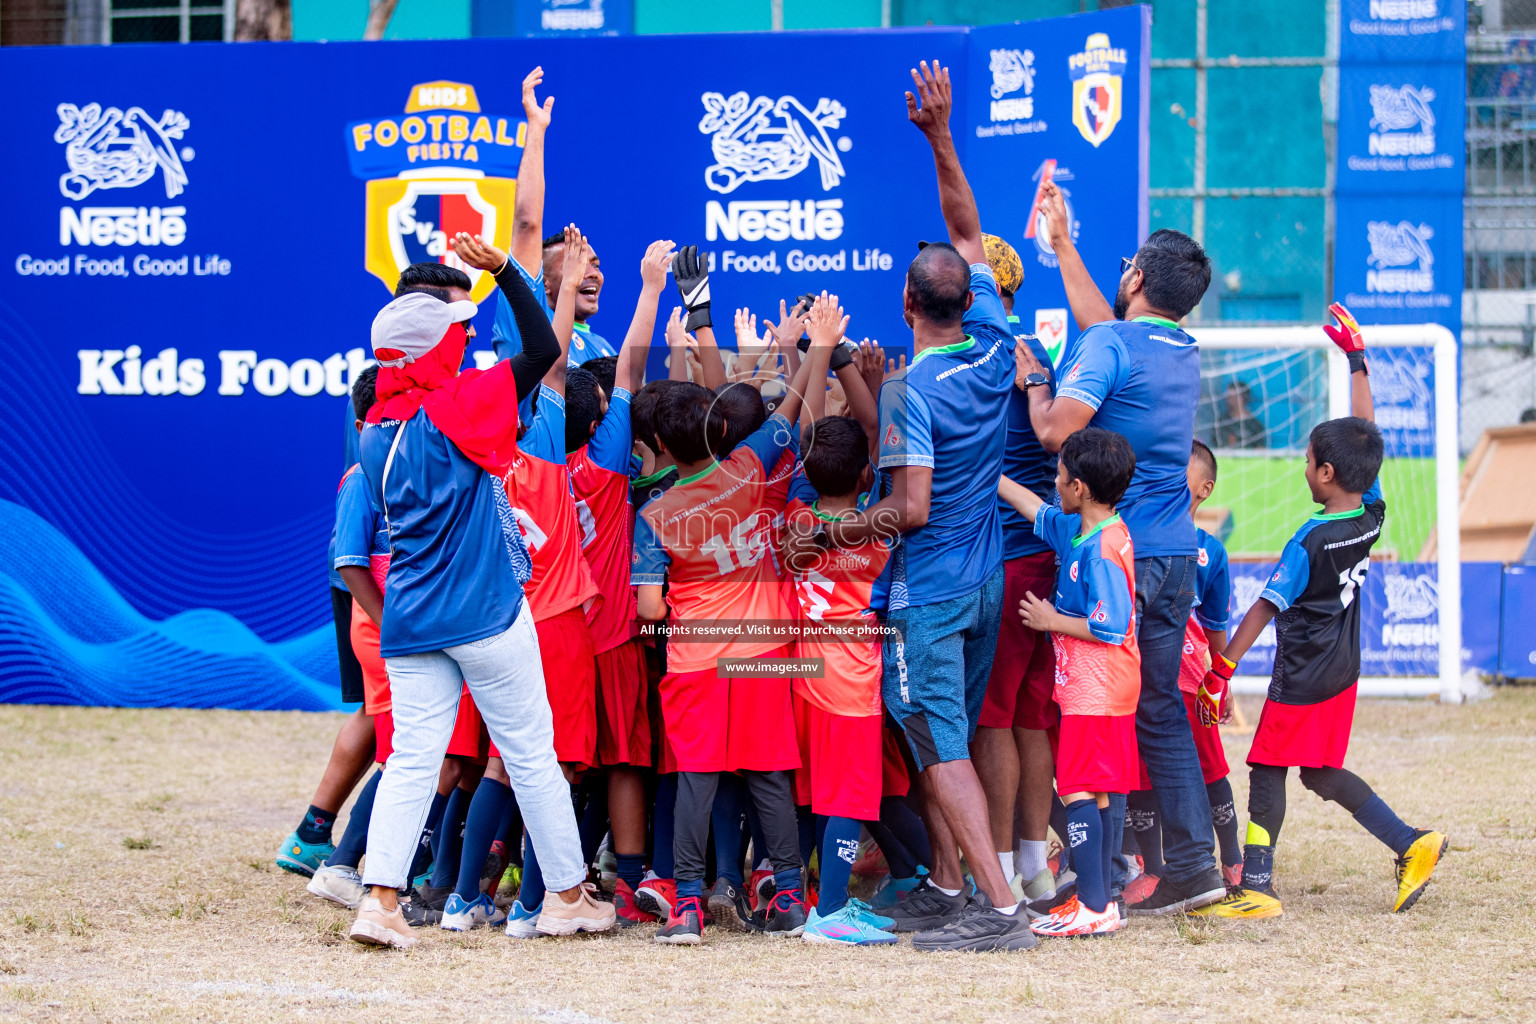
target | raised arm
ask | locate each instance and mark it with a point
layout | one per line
(868, 364)
(677, 346)
(629, 371)
(1349, 339)
(1088, 304)
(574, 257)
(540, 347)
(1053, 418)
(528, 207)
(827, 325)
(1020, 497)
(931, 116)
(690, 270)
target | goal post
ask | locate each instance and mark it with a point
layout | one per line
(1262, 391)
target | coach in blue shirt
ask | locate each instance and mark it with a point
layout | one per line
(943, 426)
(1133, 371)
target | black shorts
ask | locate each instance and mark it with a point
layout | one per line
(351, 671)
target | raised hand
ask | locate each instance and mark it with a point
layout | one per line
(1054, 209)
(869, 357)
(654, 264)
(675, 335)
(929, 109)
(895, 366)
(538, 116)
(1024, 364)
(1347, 336)
(478, 253)
(791, 323)
(826, 323)
(573, 260)
(690, 270)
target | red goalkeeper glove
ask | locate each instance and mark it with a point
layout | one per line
(1347, 336)
(1213, 689)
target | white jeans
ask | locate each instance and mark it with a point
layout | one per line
(506, 678)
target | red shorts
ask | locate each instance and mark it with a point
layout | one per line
(570, 683)
(365, 645)
(721, 723)
(894, 780)
(1024, 668)
(840, 770)
(1096, 754)
(1305, 735)
(1213, 757)
(623, 718)
(383, 736)
(469, 738)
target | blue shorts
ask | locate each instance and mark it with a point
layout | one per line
(936, 671)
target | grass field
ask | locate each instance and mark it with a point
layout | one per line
(137, 849)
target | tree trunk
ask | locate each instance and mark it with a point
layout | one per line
(379, 13)
(263, 20)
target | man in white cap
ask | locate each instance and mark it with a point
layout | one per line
(436, 445)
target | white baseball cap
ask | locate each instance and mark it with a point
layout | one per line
(413, 324)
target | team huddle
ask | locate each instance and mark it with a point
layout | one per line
(700, 650)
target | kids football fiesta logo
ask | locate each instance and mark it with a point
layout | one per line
(441, 168)
(1097, 87)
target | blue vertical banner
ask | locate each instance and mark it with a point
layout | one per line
(1063, 100)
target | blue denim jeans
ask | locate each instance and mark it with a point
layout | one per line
(506, 678)
(1165, 592)
(936, 672)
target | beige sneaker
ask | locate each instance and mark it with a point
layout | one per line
(376, 926)
(585, 915)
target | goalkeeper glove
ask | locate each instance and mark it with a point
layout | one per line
(692, 276)
(1347, 336)
(1213, 689)
(842, 353)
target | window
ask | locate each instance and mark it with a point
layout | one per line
(169, 21)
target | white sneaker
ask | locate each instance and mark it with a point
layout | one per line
(460, 915)
(585, 915)
(1074, 919)
(376, 926)
(339, 884)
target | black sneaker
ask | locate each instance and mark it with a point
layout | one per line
(1042, 907)
(925, 907)
(979, 929)
(1170, 897)
(686, 925)
(786, 914)
(423, 908)
(728, 906)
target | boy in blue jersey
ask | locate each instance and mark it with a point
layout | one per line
(1091, 619)
(539, 260)
(1313, 597)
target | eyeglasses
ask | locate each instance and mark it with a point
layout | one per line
(1126, 263)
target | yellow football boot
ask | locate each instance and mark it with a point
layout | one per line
(1240, 902)
(1415, 867)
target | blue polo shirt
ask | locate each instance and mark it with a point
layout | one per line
(1213, 583)
(1089, 584)
(507, 342)
(459, 562)
(948, 411)
(359, 532)
(1024, 460)
(1142, 379)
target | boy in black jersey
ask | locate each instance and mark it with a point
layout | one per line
(1313, 598)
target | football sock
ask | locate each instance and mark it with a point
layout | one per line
(315, 829)
(897, 857)
(1266, 813)
(481, 825)
(631, 868)
(1383, 823)
(907, 828)
(1107, 849)
(1005, 858)
(690, 887)
(592, 818)
(349, 852)
(1059, 826)
(1119, 865)
(423, 859)
(1029, 857)
(533, 879)
(449, 839)
(1355, 795)
(726, 817)
(1224, 819)
(839, 849)
(1142, 817)
(662, 822)
(1085, 831)
(1258, 866)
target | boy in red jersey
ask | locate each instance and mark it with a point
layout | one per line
(1098, 665)
(837, 710)
(598, 448)
(706, 539)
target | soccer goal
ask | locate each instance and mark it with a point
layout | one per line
(1262, 392)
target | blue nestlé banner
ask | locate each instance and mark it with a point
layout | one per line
(200, 236)
(1402, 128)
(1402, 30)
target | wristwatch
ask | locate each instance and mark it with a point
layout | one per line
(821, 538)
(1034, 380)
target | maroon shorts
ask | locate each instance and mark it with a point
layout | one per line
(840, 770)
(718, 723)
(1096, 754)
(1305, 735)
(623, 719)
(469, 738)
(1024, 668)
(570, 681)
(894, 780)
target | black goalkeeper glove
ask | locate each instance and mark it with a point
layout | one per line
(842, 353)
(692, 276)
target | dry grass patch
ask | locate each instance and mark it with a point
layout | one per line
(137, 846)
